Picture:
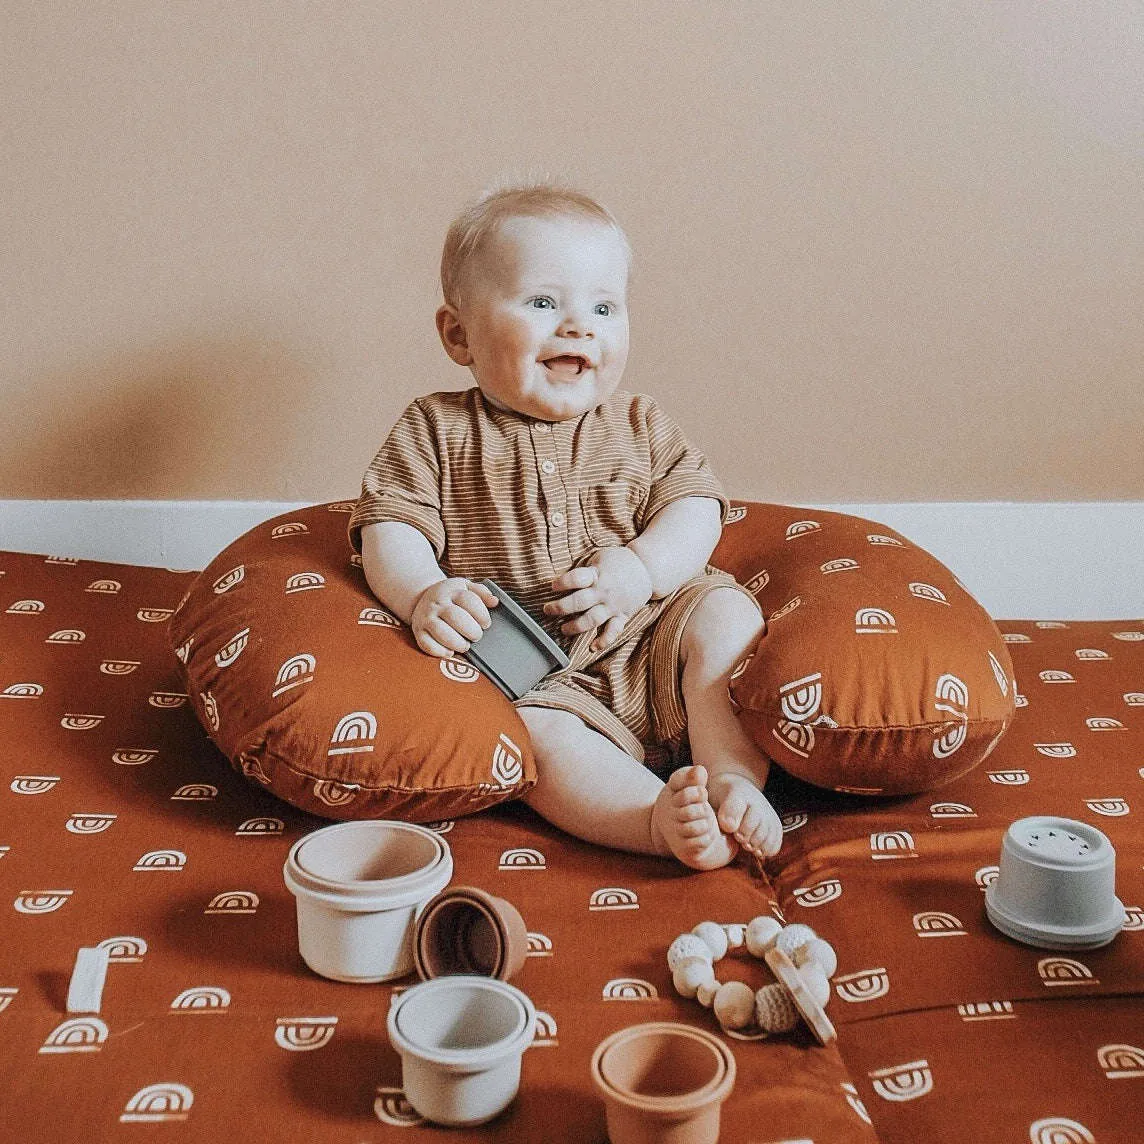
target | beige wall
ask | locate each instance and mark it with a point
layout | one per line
(885, 251)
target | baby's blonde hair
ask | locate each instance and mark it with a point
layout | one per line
(470, 231)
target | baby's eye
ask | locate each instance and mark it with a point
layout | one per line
(541, 299)
(606, 307)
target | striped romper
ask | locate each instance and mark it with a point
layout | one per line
(522, 501)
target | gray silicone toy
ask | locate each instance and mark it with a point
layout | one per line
(516, 653)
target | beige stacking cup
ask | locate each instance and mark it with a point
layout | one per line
(461, 1039)
(359, 888)
(663, 1083)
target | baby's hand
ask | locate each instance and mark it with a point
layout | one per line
(608, 590)
(451, 615)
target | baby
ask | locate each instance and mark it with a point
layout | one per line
(587, 504)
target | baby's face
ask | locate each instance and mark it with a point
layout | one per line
(544, 290)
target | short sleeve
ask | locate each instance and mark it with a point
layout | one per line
(678, 469)
(403, 482)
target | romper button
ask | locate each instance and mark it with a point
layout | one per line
(548, 466)
(556, 518)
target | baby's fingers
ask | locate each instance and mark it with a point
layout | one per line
(611, 633)
(486, 594)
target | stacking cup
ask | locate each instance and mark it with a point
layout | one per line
(461, 1039)
(359, 888)
(1055, 885)
(663, 1083)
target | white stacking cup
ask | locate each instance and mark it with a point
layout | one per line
(359, 888)
(461, 1039)
(1056, 885)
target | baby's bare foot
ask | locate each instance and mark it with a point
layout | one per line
(742, 811)
(683, 822)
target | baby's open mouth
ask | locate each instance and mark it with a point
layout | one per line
(566, 364)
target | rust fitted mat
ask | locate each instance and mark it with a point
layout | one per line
(120, 823)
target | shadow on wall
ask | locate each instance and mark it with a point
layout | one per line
(189, 419)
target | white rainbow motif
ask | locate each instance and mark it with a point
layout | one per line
(118, 666)
(391, 1107)
(1016, 637)
(1015, 777)
(828, 890)
(614, 898)
(874, 621)
(539, 945)
(305, 582)
(41, 901)
(1056, 677)
(167, 860)
(335, 793)
(202, 999)
(166, 700)
(521, 858)
(629, 989)
(508, 762)
(785, 610)
(986, 876)
(154, 615)
(801, 528)
(89, 823)
(1091, 654)
(158, 1103)
(843, 564)
(294, 528)
(1059, 1130)
(379, 618)
(261, 827)
(935, 923)
(226, 655)
(758, 582)
(794, 821)
(229, 579)
(304, 1034)
(796, 737)
(26, 608)
(865, 985)
(952, 810)
(210, 709)
(23, 691)
(1134, 918)
(1056, 750)
(108, 587)
(66, 636)
(545, 1032)
(855, 1102)
(735, 514)
(1128, 637)
(341, 506)
(892, 844)
(1134, 698)
(458, 670)
(1109, 807)
(77, 1035)
(7, 996)
(1101, 723)
(81, 722)
(801, 699)
(295, 671)
(928, 592)
(233, 902)
(133, 758)
(124, 950)
(1064, 971)
(999, 673)
(1120, 1062)
(903, 1082)
(880, 538)
(196, 792)
(358, 729)
(33, 784)
(986, 1011)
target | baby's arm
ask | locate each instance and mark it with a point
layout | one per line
(612, 585)
(447, 614)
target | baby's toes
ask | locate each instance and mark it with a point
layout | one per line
(731, 812)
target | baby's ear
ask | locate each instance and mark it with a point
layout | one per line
(453, 335)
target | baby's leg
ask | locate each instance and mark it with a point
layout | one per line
(724, 628)
(592, 789)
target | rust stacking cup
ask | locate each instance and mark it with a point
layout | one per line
(467, 930)
(663, 1083)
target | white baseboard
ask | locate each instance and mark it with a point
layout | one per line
(1037, 561)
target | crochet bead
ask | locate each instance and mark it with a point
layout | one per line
(793, 936)
(815, 980)
(760, 933)
(686, 945)
(705, 994)
(774, 1009)
(736, 935)
(690, 974)
(734, 1005)
(817, 952)
(713, 936)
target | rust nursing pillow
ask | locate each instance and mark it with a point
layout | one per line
(879, 673)
(313, 690)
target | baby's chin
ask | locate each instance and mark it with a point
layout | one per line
(559, 406)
